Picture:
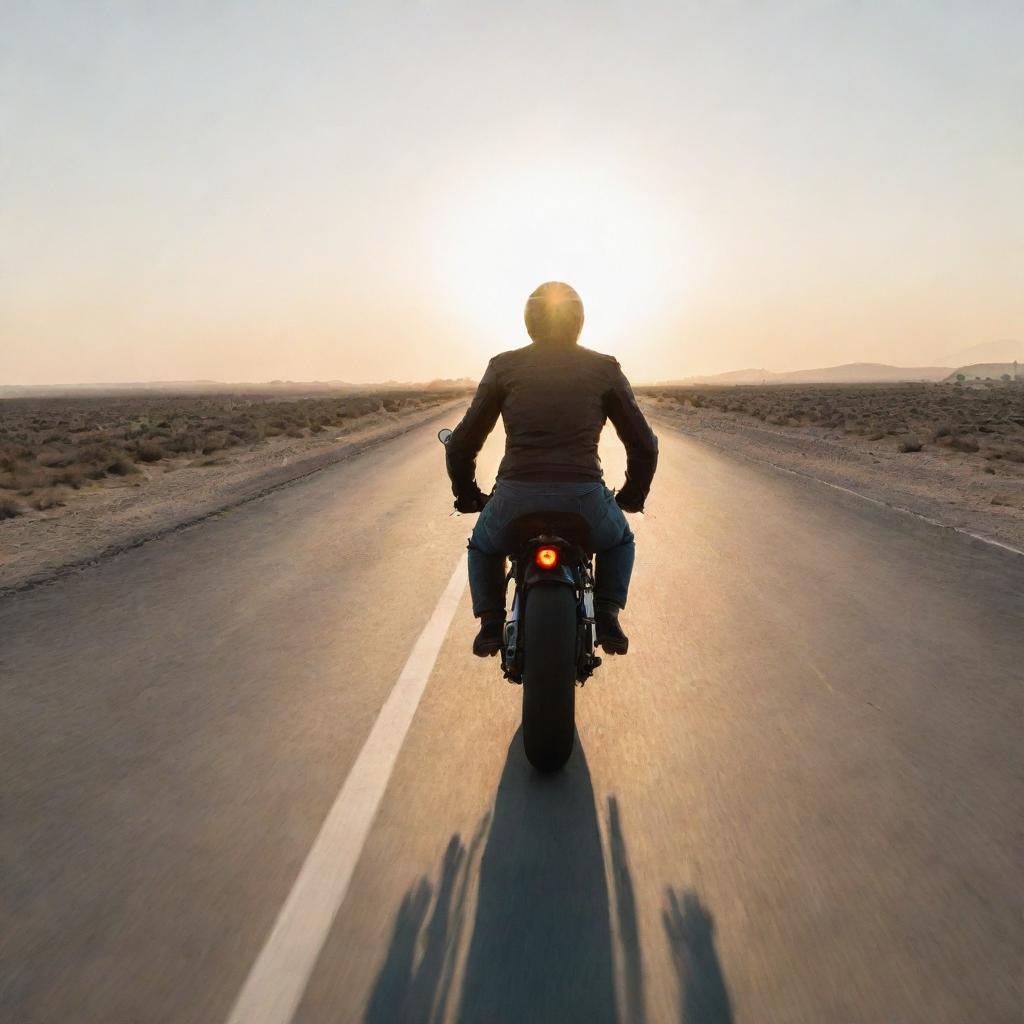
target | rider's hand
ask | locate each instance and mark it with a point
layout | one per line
(629, 501)
(472, 502)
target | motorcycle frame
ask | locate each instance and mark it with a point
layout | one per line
(574, 570)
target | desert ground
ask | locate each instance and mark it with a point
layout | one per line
(82, 476)
(951, 452)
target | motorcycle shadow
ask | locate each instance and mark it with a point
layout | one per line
(540, 945)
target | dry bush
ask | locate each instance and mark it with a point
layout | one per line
(985, 420)
(147, 451)
(50, 498)
(1005, 452)
(121, 467)
(57, 459)
(72, 443)
(963, 444)
(10, 509)
(1008, 500)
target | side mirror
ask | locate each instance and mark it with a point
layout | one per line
(443, 434)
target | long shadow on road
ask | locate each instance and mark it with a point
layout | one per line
(540, 946)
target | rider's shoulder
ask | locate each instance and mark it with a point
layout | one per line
(600, 358)
(510, 357)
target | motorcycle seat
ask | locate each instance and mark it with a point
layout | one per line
(569, 526)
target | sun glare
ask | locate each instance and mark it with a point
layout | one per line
(557, 223)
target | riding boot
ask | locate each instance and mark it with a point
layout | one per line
(609, 633)
(487, 642)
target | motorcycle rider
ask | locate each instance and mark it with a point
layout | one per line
(554, 397)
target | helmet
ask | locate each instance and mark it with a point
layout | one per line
(554, 314)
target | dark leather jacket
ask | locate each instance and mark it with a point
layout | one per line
(554, 400)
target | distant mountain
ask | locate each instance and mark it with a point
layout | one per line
(748, 376)
(1003, 351)
(445, 383)
(989, 371)
(866, 373)
(848, 373)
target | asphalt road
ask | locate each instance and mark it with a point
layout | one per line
(798, 799)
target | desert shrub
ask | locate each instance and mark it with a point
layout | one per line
(181, 443)
(66, 442)
(963, 444)
(10, 509)
(148, 451)
(73, 476)
(121, 467)
(212, 442)
(50, 498)
(56, 460)
(1005, 452)
(25, 479)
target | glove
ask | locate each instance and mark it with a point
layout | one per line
(472, 502)
(629, 501)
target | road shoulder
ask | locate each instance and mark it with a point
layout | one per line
(925, 488)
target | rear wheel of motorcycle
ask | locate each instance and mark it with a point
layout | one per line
(549, 676)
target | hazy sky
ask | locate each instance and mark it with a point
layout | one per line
(363, 191)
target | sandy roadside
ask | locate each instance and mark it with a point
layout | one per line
(97, 524)
(947, 488)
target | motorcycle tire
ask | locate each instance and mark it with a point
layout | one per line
(549, 676)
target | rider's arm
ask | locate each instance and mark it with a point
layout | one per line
(468, 438)
(638, 439)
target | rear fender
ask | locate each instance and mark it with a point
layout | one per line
(560, 574)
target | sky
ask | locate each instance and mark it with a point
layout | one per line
(369, 191)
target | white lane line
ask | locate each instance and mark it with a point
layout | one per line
(278, 978)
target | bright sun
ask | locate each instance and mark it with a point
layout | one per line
(558, 223)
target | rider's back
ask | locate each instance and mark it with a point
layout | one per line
(554, 402)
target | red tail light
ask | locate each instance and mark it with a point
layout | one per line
(546, 558)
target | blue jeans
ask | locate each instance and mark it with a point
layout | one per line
(491, 541)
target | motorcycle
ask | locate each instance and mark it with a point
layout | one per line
(549, 635)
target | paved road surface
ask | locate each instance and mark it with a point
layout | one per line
(798, 800)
